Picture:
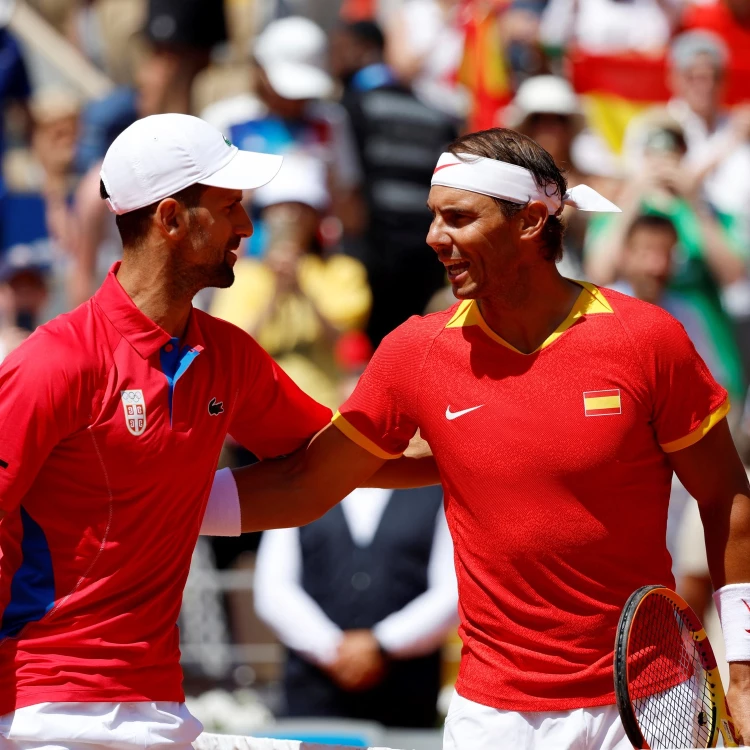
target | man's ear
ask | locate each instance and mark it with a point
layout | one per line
(532, 219)
(170, 218)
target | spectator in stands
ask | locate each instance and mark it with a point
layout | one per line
(609, 27)
(15, 91)
(288, 114)
(363, 599)
(718, 142)
(177, 38)
(23, 295)
(705, 257)
(299, 298)
(41, 180)
(728, 19)
(646, 268)
(399, 140)
(15, 88)
(425, 46)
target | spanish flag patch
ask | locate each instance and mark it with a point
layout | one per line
(601, 403)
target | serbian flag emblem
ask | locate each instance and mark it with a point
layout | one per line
(602, 403)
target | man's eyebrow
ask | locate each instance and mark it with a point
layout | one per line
(456, 208)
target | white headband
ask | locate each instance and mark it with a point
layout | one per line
(511, 183)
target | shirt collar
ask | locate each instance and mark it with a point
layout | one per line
(145, 336)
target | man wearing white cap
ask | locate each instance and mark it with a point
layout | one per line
(111, 422)
(556, 412)
(290, 111)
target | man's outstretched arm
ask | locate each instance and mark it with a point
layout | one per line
(711, 471)
(296, 490)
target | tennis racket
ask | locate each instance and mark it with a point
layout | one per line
(669, 693)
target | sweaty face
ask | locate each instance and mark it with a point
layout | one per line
(476, 244)
(216, 228)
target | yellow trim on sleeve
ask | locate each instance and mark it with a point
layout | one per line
(361, 440)
(700, 431)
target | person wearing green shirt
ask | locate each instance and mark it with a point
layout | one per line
(709, 254)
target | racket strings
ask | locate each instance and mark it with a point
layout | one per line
(669, 688)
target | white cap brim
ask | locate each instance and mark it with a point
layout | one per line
(246, 171)
(298, 81)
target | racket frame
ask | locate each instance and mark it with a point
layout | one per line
(721, 719)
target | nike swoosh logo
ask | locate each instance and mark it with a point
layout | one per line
(748, 607)
(451, 415)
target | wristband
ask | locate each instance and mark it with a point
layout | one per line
(733, 605)
(222, 516)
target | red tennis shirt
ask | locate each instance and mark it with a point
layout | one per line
(556, 478)
(110, 433)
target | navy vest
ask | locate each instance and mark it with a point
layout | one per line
(357, 587)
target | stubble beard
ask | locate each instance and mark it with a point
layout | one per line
(192, 278)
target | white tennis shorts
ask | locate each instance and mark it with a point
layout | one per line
(472, 726)
(84, 726)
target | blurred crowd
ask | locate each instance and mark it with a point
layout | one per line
(648, 101)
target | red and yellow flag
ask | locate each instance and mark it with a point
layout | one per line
(483, 69)
(601, 403)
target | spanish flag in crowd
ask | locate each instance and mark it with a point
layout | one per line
(615, 88)
(484, 68)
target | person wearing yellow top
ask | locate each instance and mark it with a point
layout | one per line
(295, 301)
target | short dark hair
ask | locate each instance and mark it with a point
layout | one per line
(133, 225)
(512, 147)
(651, 221)
(367, 32)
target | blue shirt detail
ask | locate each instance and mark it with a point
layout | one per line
(271, 134)
(374, 76)
(174, 365)
(32, 590)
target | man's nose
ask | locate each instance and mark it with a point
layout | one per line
(245, 226)
(436, 236)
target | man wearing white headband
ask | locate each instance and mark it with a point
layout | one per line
(556, 412)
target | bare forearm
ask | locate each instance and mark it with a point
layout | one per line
(299, 489)
(405, 473)
(724, 264)
(727, 531)
(273, 497)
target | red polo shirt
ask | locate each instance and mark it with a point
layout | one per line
(110, 433)
(556, 478)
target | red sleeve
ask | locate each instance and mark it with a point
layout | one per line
(43, 399)
(687, 401)
(380, 415)
(273, 416)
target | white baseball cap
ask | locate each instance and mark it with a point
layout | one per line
(302, 179)
(544, 94)
(292, 52)
(160, 155)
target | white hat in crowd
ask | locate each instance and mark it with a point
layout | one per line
(543, 95)
(688, 47)
(160, 155)
(301, 179)
(293, 53)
